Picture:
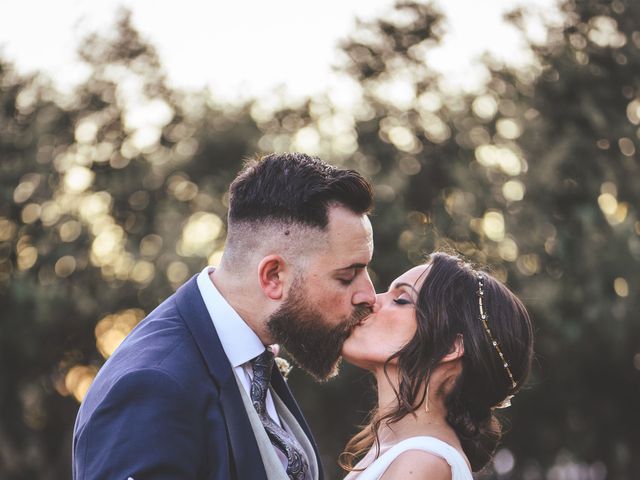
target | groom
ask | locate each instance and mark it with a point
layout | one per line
(191, 392)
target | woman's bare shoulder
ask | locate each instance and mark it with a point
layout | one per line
(418, 464)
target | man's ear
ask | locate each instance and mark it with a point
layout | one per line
(271, 271)
(457, 349)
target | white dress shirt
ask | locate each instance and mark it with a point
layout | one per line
(239, 342)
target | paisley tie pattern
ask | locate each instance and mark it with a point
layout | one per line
(297, 466)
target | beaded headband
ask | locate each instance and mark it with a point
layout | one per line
(484, 317)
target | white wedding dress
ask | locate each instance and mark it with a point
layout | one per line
(459, 468)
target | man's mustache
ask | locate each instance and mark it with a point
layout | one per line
(360, 313)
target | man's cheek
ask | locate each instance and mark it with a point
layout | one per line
(336, 302)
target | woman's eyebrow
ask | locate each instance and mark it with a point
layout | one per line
(399, 285)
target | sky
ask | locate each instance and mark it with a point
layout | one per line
(246, 48)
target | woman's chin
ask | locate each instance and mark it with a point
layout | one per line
(349, 354)
(353, 357)
(346, 354)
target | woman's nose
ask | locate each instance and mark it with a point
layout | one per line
(377, 303)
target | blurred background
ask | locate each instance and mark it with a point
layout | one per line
(506, 131)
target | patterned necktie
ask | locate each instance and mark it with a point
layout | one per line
(297, 465)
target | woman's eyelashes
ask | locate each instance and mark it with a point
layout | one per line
(402, 300)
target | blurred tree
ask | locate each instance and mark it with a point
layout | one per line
(536, 176)
(580, 234)
(112, 197)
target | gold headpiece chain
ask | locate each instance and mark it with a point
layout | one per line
(484, 317)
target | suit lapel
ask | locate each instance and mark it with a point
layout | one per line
(241, 438)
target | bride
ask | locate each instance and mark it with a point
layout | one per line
(447, 345)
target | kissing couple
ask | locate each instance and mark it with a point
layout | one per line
(191, 393)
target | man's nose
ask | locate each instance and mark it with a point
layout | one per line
(365, 294)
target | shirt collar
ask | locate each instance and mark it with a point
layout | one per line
(239, 342)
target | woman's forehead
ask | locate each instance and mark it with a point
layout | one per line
(414, 276)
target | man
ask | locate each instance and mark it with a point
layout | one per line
(191, 392)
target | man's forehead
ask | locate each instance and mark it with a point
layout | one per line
(349, 242)
(350, 230)
(341, 218)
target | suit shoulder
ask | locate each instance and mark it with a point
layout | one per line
(150, 382)
(161, 352)
(154, 340)
(418, 464)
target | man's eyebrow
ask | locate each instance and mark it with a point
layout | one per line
(354, 265)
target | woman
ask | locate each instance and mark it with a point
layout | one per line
(447, 345)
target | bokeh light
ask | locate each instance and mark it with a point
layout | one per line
(493, 225)
(111, 330)
(78, 380)
(621, 286)
(199, 234)
(116, 195)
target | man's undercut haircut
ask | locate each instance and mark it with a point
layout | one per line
(295, 188)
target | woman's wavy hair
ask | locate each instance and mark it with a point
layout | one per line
(447, 305)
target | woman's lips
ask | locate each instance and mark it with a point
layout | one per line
(363, 321)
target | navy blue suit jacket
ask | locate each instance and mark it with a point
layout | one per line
(166, 405)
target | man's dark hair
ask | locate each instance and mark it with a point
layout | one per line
(297, 188)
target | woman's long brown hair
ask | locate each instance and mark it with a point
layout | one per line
(447, 305)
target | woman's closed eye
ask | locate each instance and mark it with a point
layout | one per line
(404, 294)
(402, 300)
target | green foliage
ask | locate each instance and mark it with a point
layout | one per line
(101, 189)
(112, 196)
(537, 177)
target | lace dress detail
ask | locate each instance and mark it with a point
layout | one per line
(459, 468)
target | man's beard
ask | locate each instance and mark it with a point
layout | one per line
(306, 334)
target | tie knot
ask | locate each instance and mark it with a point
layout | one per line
(263, 361)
